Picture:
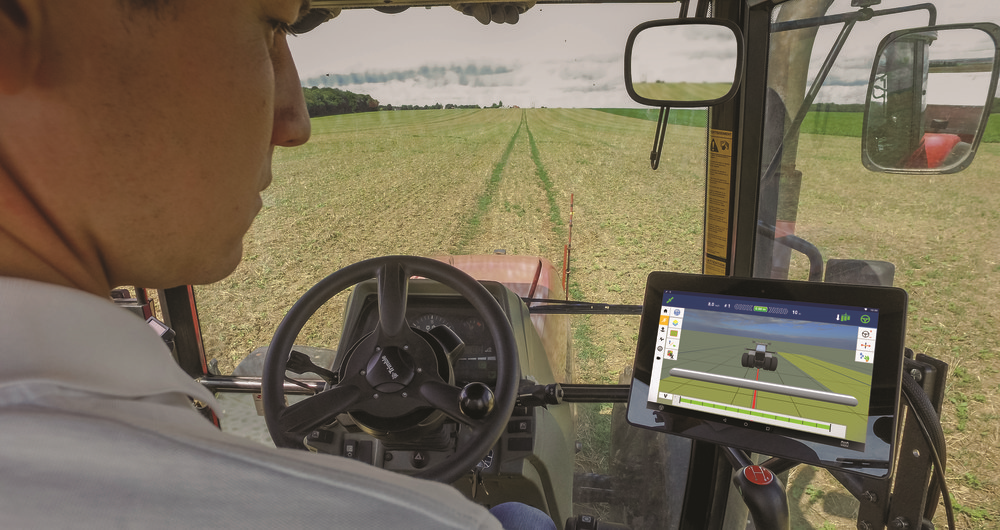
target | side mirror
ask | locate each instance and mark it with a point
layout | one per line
(929, 97)
(683, 63)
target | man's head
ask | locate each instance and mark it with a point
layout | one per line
(136, 135)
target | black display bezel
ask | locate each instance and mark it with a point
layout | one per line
(874, 456)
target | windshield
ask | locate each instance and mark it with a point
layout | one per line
(518, 128)
(470, 139)
(435, 135)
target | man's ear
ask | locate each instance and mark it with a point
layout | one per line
(20, 43)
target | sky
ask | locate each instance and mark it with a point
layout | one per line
(425, 56)
(848, 78)
(771, 328)
(555, 56)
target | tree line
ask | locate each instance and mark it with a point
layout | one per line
(435, 106)
(329, 101)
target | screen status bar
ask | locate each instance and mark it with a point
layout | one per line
(835, 314)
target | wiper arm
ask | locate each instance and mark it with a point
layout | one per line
(848, 19)
(561, 307)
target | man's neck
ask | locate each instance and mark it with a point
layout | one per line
(31, 247)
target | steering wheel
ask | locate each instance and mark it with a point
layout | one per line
(393, 372)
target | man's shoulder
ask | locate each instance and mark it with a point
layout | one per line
(81, 341)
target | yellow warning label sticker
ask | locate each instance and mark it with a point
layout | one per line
(720, 163)
(714, 267)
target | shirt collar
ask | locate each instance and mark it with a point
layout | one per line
(81, 341)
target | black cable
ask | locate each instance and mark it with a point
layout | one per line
(925, 409)
(912, 393)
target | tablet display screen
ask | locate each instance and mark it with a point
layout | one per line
(780, 368)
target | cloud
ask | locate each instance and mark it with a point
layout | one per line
(590, 81)
(470, 74)
(556, 56)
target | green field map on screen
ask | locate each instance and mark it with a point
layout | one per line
(803, 366)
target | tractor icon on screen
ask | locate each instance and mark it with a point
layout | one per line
(759, 357)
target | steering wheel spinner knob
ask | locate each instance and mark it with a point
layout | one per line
(476, 400)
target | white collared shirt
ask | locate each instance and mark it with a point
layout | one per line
(97, 431)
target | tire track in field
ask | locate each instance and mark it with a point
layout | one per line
(485, 200)
(517, 210)
(584, 348)
(550, 195)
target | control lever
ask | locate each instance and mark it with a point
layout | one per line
(762, 491)
(477, 480)
(300, 363)
(532, 395)
(764, 495)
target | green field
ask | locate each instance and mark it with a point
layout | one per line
(850, 124)
(689, 117)
(471, 181)
(682, 91)
(828, 123)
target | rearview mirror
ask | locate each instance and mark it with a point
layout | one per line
(929, 98)
(683, 63)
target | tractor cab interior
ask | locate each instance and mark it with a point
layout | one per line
(478, 272)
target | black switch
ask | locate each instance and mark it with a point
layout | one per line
(519, 426)
(366, 452)
(321, 436)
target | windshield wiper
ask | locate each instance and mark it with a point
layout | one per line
(562, 307)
